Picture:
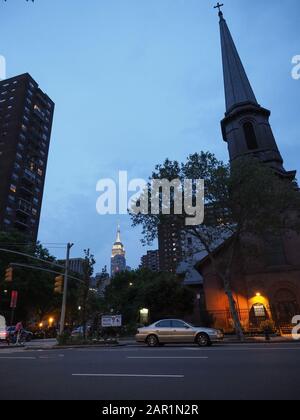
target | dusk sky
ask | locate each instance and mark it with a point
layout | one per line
(135, 82)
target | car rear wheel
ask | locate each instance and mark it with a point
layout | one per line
(203, 340)
(152, 341)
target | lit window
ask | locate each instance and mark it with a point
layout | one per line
(259, 311)
(40, 172)
(13, 188)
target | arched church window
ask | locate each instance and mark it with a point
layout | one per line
(250, 136)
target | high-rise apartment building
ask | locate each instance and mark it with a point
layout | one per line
(26, 115)
(151, 261)
(170, 244)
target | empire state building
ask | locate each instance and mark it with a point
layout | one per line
(118, 260)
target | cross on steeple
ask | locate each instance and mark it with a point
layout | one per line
(218, 6)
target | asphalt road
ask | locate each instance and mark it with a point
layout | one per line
(258, 371)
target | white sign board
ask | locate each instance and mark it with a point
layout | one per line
(111, 321)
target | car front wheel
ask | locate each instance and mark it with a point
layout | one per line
(203, 340)
(152, 341)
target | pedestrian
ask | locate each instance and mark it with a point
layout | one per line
(18, 331)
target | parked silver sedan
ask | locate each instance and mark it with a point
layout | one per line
(175, 331)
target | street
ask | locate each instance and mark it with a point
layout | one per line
(250, 371)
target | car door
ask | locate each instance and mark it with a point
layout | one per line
(182, 332)
(163, 331)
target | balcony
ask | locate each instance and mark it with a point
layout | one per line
(27, 191)
(29, 176)
(21, 224)
(24, 206)
(39, 113)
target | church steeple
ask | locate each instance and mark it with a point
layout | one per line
(246, 127)
(238, 89)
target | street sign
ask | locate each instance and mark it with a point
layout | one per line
(14, 299)
(111, 321)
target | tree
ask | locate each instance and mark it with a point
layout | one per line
(245, 202)
(162, 293)
(36, 296)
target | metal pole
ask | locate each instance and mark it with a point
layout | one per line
(64, 302)
(12, 316)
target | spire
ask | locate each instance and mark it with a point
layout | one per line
(237, 86)
(118, 240)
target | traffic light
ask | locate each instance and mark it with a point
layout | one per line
(9, 275)
(58, 286)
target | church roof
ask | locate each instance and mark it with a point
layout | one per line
(238, 89)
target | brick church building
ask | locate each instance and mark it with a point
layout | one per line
(268, 286)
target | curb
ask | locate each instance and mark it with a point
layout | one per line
(11, 347)
(75, 347)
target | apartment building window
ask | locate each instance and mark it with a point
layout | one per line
(34, 212)
(15, 177)
(11, 197)
(9, 210)
(13, 188)
(40, 172)
(7, 222)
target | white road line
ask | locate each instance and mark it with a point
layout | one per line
(121, 375)
(18, 358)
(165, 357)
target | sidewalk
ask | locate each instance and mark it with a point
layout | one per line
(50, 344)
